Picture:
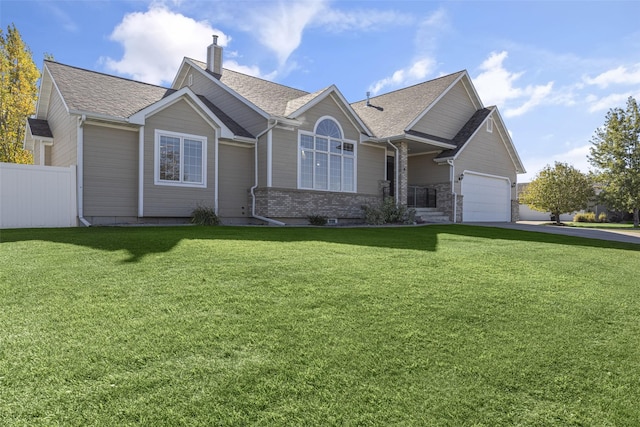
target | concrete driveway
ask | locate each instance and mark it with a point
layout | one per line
(615, 235)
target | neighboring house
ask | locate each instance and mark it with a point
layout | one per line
(257, 151)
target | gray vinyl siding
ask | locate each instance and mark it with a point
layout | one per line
(110, 172)
(486, 153)
(176, 201)
(232, 106)
(449, 115)
(372, 168)
(423, 170)
(64, 128)
(285, 158)
(328, 107)
(262, 161)
(236, 178)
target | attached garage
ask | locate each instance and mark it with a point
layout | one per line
(486, 198)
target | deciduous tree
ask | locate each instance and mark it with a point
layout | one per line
(18, 93)
(616, 154)
(559, 189)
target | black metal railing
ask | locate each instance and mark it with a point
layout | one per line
(421, 197)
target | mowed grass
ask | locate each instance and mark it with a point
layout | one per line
(440, 325)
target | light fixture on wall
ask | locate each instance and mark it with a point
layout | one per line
(461, 177)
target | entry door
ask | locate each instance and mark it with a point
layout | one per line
(391, 175)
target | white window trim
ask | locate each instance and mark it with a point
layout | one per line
(490, 125)
(343, 140)
(323, 118)
(156, 159)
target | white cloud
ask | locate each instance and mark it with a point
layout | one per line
(498, 86)
(62, 17)
(416, 72)
(279, 26)
(155, 42)
(427, 34)
(251, 70)
(430, 30)
(360, 20)
(620, 75)
(604, 103)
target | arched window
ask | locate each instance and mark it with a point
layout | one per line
(328, 127)
(327, 160)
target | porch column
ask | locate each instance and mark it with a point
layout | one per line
(403, 180)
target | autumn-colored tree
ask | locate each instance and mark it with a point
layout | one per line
(616, 154)
(559, 189)
(18, 93)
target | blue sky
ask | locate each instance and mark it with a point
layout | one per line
(553, 68)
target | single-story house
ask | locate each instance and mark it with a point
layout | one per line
(260, 152)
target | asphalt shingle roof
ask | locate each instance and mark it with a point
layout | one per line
(270, 97)
(113, 96)
(228, 121)
(90, 91)
(389, 114)
(465, 133)
(40, 128)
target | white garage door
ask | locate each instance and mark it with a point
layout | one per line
(485, 198)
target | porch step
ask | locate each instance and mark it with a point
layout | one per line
(430, 215)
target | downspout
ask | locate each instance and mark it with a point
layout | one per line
(253, 195)
(80, 177)
(141, 172)
(395, 170)
(452, 176)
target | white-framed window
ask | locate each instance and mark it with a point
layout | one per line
(326, 161)
(180, 159)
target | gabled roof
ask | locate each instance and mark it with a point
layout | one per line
(39, 128)
(467, 131)
(270, 97)
(103, 94)
(475, 123)
(90, 92)
(390, 114)
(228, 121)
(297, 103)
(278, 100)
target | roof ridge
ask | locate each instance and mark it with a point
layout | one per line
(413, 85)
(255, 77)
(105, 74)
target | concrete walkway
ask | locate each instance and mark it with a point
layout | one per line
(615, 235)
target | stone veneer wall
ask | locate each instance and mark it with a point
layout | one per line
(515, 210)
(444, 199)
(291, 203)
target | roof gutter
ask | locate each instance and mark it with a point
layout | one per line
(407, 137)
(253, 194)
(89, 115)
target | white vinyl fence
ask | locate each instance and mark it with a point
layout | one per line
(37, 196)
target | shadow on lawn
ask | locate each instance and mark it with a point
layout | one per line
(142, 241)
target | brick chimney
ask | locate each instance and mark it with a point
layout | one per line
(214, 57)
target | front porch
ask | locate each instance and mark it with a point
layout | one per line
(421, 183)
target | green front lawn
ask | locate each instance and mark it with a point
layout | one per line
(440, 325)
